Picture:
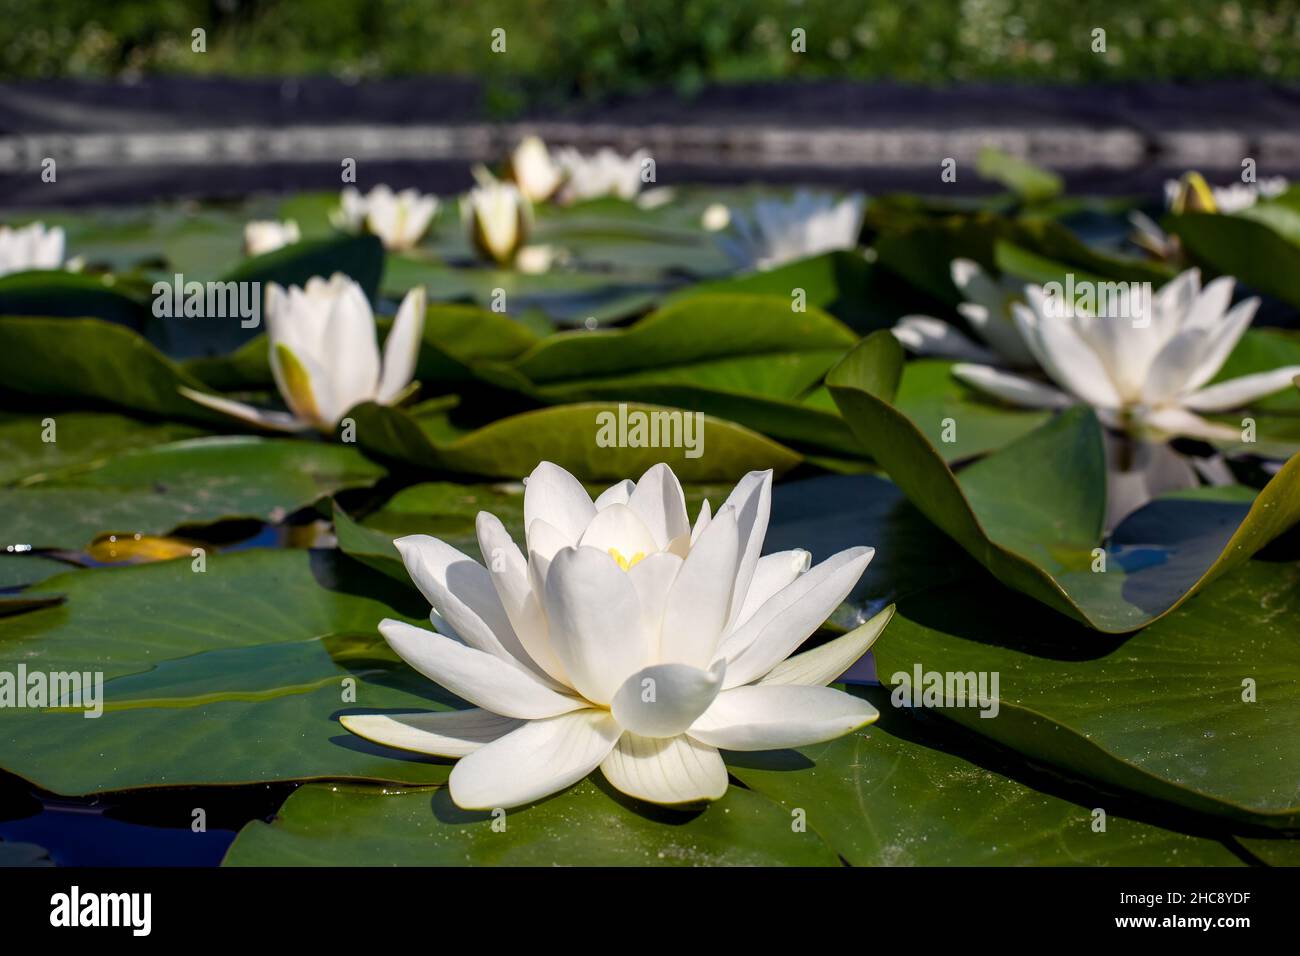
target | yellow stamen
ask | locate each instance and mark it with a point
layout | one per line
(623, 562)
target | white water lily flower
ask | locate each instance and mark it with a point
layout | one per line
(775, 232)
(30, 247)
(266, 235)
(621, 638)
(1148, 379)
(324, 356)
(988, 310)
(1191, 192)
(498, 218)
(533, 171)
(604, 173)
(400, 220)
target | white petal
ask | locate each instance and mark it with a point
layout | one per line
(351, 352)
(653, 578)
(595, 622)
(402, 347)
(1173, 421)
(445, 733)
(669, 770)
(929, 336)
(538, 759)
(783, 715)
(1075, 366)
(787, 618)
(1173, 366)
(618, 529)
(277, 421)
(701, 521)
(556, 497)
(461, 590)
(772, 573)
(662, 700)
(700, 599)
(822, 665)
(1224, 337)
(752, 501)
(660, 503)
(482, 679)
(1015, 389)
(513, 584)
(1236, 392)
(616, 494)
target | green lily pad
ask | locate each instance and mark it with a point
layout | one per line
(907, 792)
(567, 435)
(1031, 183)
(1033, 512)
(844, 284)
(1251, 250)
(78, 438)
(95, 362)
(55, 292)
(583, 826)
(199, 481)
(1166, 713)
(233, 675)
(20, 570)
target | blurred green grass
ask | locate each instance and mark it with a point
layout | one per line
(564, 48)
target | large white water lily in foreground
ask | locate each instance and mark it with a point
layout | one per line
(324, 356)
(400, 219)
(623, 638)
(603, 173)
(30, 247)
(267, 235)
(1144, 378)
(988, 310)
(775, 232)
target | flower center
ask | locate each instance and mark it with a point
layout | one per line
(623, 562)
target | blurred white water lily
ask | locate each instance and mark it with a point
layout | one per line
(533, 171)
(1191, 193)
(324, 355)
(603, 173)
(775, 232)
(400, 220)
(498, 218)
(267, 235)
(1148, 378)
(988, 310)
(30, 247)
(622, 638)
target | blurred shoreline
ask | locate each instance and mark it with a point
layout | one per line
(220, 138)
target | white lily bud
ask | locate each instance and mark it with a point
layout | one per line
(325, 357)
(533, 170)
(30, 247)
(262, 236)
(498, 219)
(400, 220)
(605, 173)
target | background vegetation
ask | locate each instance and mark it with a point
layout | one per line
(562, 47)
